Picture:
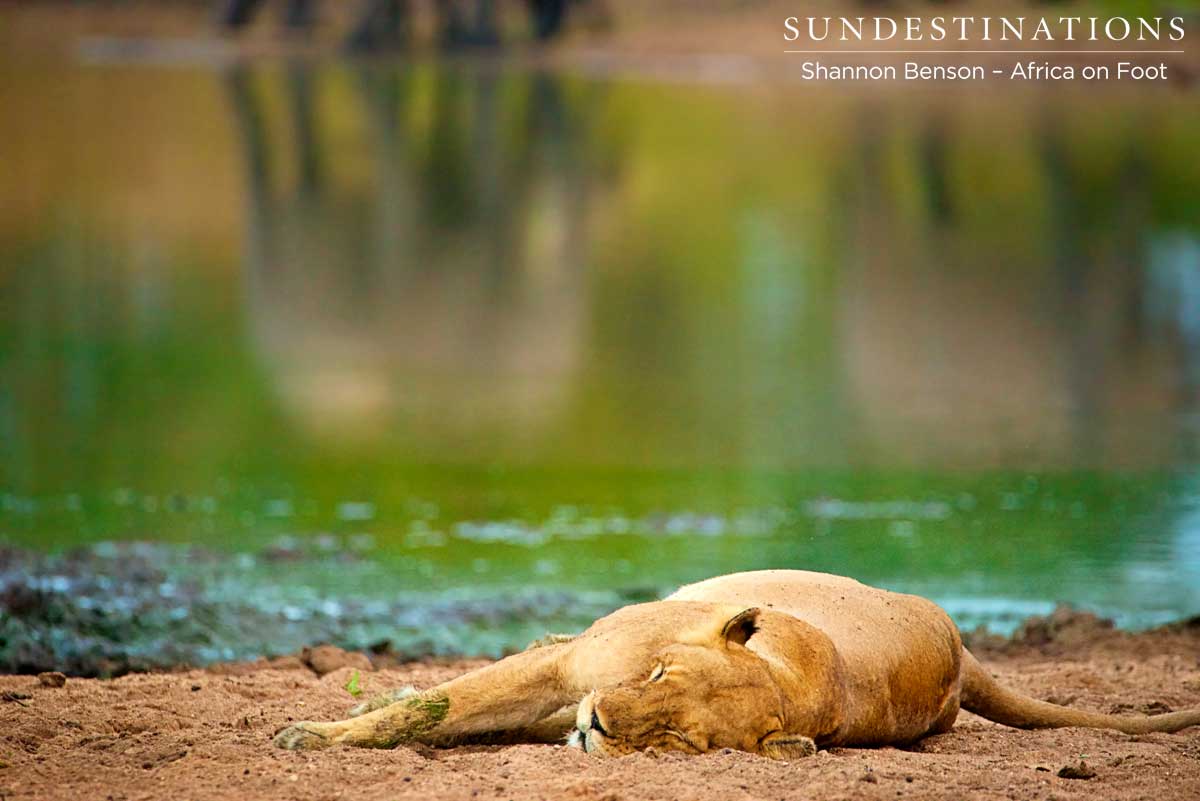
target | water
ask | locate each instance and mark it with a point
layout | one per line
(467, 351)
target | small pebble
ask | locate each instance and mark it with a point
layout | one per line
(1080, 771)
(52, 679)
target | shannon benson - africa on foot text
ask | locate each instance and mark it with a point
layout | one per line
(1021, 71)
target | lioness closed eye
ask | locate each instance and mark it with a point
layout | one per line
(776, 662)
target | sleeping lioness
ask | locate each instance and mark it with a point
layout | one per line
(777, 663)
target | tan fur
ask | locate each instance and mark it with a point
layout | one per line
(775, 662)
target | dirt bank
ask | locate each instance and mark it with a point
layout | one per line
(206, 734)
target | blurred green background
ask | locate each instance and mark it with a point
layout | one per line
(453, 352)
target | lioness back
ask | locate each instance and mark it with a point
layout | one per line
(845, 609)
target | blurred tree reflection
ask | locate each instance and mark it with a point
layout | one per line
(464, 262)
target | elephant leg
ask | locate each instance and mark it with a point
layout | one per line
(237, 13)
(382, 24)
(451, 26)
(548, 17)
(299, 14)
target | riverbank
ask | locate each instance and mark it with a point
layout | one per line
(206, 734)
(112, 608)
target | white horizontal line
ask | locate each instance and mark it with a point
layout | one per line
(987, 52)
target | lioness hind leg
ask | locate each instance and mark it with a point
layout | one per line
(382, 700)
(514, 693)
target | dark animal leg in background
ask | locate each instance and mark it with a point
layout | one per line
(485, 33)
(383, 24)
(461, 29)
(237, 13)
(451, 27)
(299, 14)
(548, 17)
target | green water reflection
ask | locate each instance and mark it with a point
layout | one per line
(493, 328)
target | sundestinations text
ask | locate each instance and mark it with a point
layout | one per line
(983, 29)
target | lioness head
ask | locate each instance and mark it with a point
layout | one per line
(706, 692)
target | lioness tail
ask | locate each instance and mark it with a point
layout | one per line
(984, 696)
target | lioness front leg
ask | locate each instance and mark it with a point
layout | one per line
(513, 693)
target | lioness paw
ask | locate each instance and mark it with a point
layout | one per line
(788, 746)
(301, 738)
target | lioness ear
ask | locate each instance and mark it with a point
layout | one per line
(787, 746)
(741, 626)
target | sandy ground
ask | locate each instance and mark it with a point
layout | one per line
(206, 734)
